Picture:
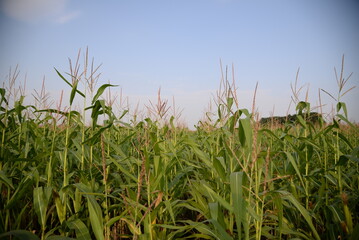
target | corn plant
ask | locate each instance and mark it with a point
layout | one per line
(63, 177)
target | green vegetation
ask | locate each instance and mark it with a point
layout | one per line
(231, 178)
(313, 117)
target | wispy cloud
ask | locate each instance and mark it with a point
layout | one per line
(38, 10)
(68, 17)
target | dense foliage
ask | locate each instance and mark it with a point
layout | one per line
(235, 179)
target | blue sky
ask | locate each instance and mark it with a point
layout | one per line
(177, 45)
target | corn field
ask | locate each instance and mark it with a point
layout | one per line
(230, 178)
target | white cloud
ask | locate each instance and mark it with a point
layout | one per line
(68, 17)
(33, 11)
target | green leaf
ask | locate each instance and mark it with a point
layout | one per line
(216, 197)
(287, 196)
(73, 92)
(2, 93)
(217, 219)
(346, 121)
(342, 105)
(20, 235)
(203, 228)
(96, 135)
(301, 121)
(123, 114)
(229, 103)
(170, 210)
(101, 90)
(245, 132)
(96, 218)
(202, 155)
(342, 137)
(82, 233)
(239, 204)
(132, 226)
(295, 166)
(97, 110)
(53, 111)
(95, 211)
(217, 165)
(303, 106)
(23, 188)
(61, 211)
(41, 199)
(6, 180)
(113, 221)
(277, 200)
(58, 237)
(62, 77)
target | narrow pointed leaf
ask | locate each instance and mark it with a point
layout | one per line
(20, 235)
(100, 91)
(82, 233)
(62, 77)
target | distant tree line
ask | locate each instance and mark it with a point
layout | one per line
(312, 117)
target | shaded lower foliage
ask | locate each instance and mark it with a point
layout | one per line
(312, 117)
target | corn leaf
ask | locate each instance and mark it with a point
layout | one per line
(100, 91)
(82, 233)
